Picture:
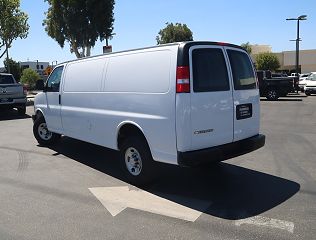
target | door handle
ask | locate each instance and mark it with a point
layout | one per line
(59, 99)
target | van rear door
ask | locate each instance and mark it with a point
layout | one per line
(245, 93)
(211, 97)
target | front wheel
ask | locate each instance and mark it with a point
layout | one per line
(137, 162)
(43, 136)
(307, 93)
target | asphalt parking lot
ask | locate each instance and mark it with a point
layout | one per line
(75, 190)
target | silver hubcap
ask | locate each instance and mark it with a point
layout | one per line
(43, 132)
(272, 94)
(133, 161)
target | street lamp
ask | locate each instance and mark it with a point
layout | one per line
(107, 37)
(300, 18)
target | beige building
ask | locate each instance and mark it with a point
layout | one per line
(307, 62)
(256, 49)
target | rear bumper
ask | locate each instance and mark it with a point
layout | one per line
(221, 153)
(15, 102)
(310, 90)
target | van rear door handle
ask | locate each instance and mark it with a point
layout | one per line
(59, 99)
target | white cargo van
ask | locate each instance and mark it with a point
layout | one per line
(183, 103)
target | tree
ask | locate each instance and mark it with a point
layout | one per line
(267, 61)
(174, 33)
(29, 76)
(13, 24)
(14, 67)
(80, 23)
(247, 47)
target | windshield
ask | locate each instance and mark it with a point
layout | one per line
(312, 77)
(6, 79)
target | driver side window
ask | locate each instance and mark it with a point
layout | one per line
(54, 79)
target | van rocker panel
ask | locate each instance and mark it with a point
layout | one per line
(222, 152)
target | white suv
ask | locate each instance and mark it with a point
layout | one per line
(302, 81)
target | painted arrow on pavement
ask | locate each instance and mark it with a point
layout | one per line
(116, 199)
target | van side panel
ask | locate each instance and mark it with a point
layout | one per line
(136, 88)
(145, 72)
(83, 81)
(85, 76)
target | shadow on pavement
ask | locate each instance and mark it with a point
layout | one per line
(235, 192)
(283, 99)
(6, 115)
(232, 192)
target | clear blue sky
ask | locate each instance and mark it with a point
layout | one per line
(137, 23)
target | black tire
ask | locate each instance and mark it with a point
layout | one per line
(22, 110)
(307, 93)
(144, 165)
(272, 94)
(38, 133)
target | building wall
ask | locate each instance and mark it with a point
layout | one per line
(33, 65)
(307, 60)
(256, 49)
(287, 59)
(39, 67)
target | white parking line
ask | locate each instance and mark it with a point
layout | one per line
(267, 222)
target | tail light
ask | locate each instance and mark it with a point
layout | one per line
(24, 90)
(183, 79)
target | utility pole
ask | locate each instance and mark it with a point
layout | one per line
(297, 57)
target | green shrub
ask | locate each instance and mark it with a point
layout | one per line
(29, 77)
(267, 61)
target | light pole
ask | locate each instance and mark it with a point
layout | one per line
(300, 18)
(107, 37)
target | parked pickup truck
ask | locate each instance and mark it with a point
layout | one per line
(12, 94)
(274, 87)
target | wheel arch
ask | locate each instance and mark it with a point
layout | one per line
(129, 128)
(39, 113)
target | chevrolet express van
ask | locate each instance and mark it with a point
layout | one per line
(182, 103)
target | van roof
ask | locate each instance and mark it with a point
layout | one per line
(183, 47)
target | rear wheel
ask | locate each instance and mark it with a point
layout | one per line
(272, 95)
(307, 93)
(43, 136)
(136, 161)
